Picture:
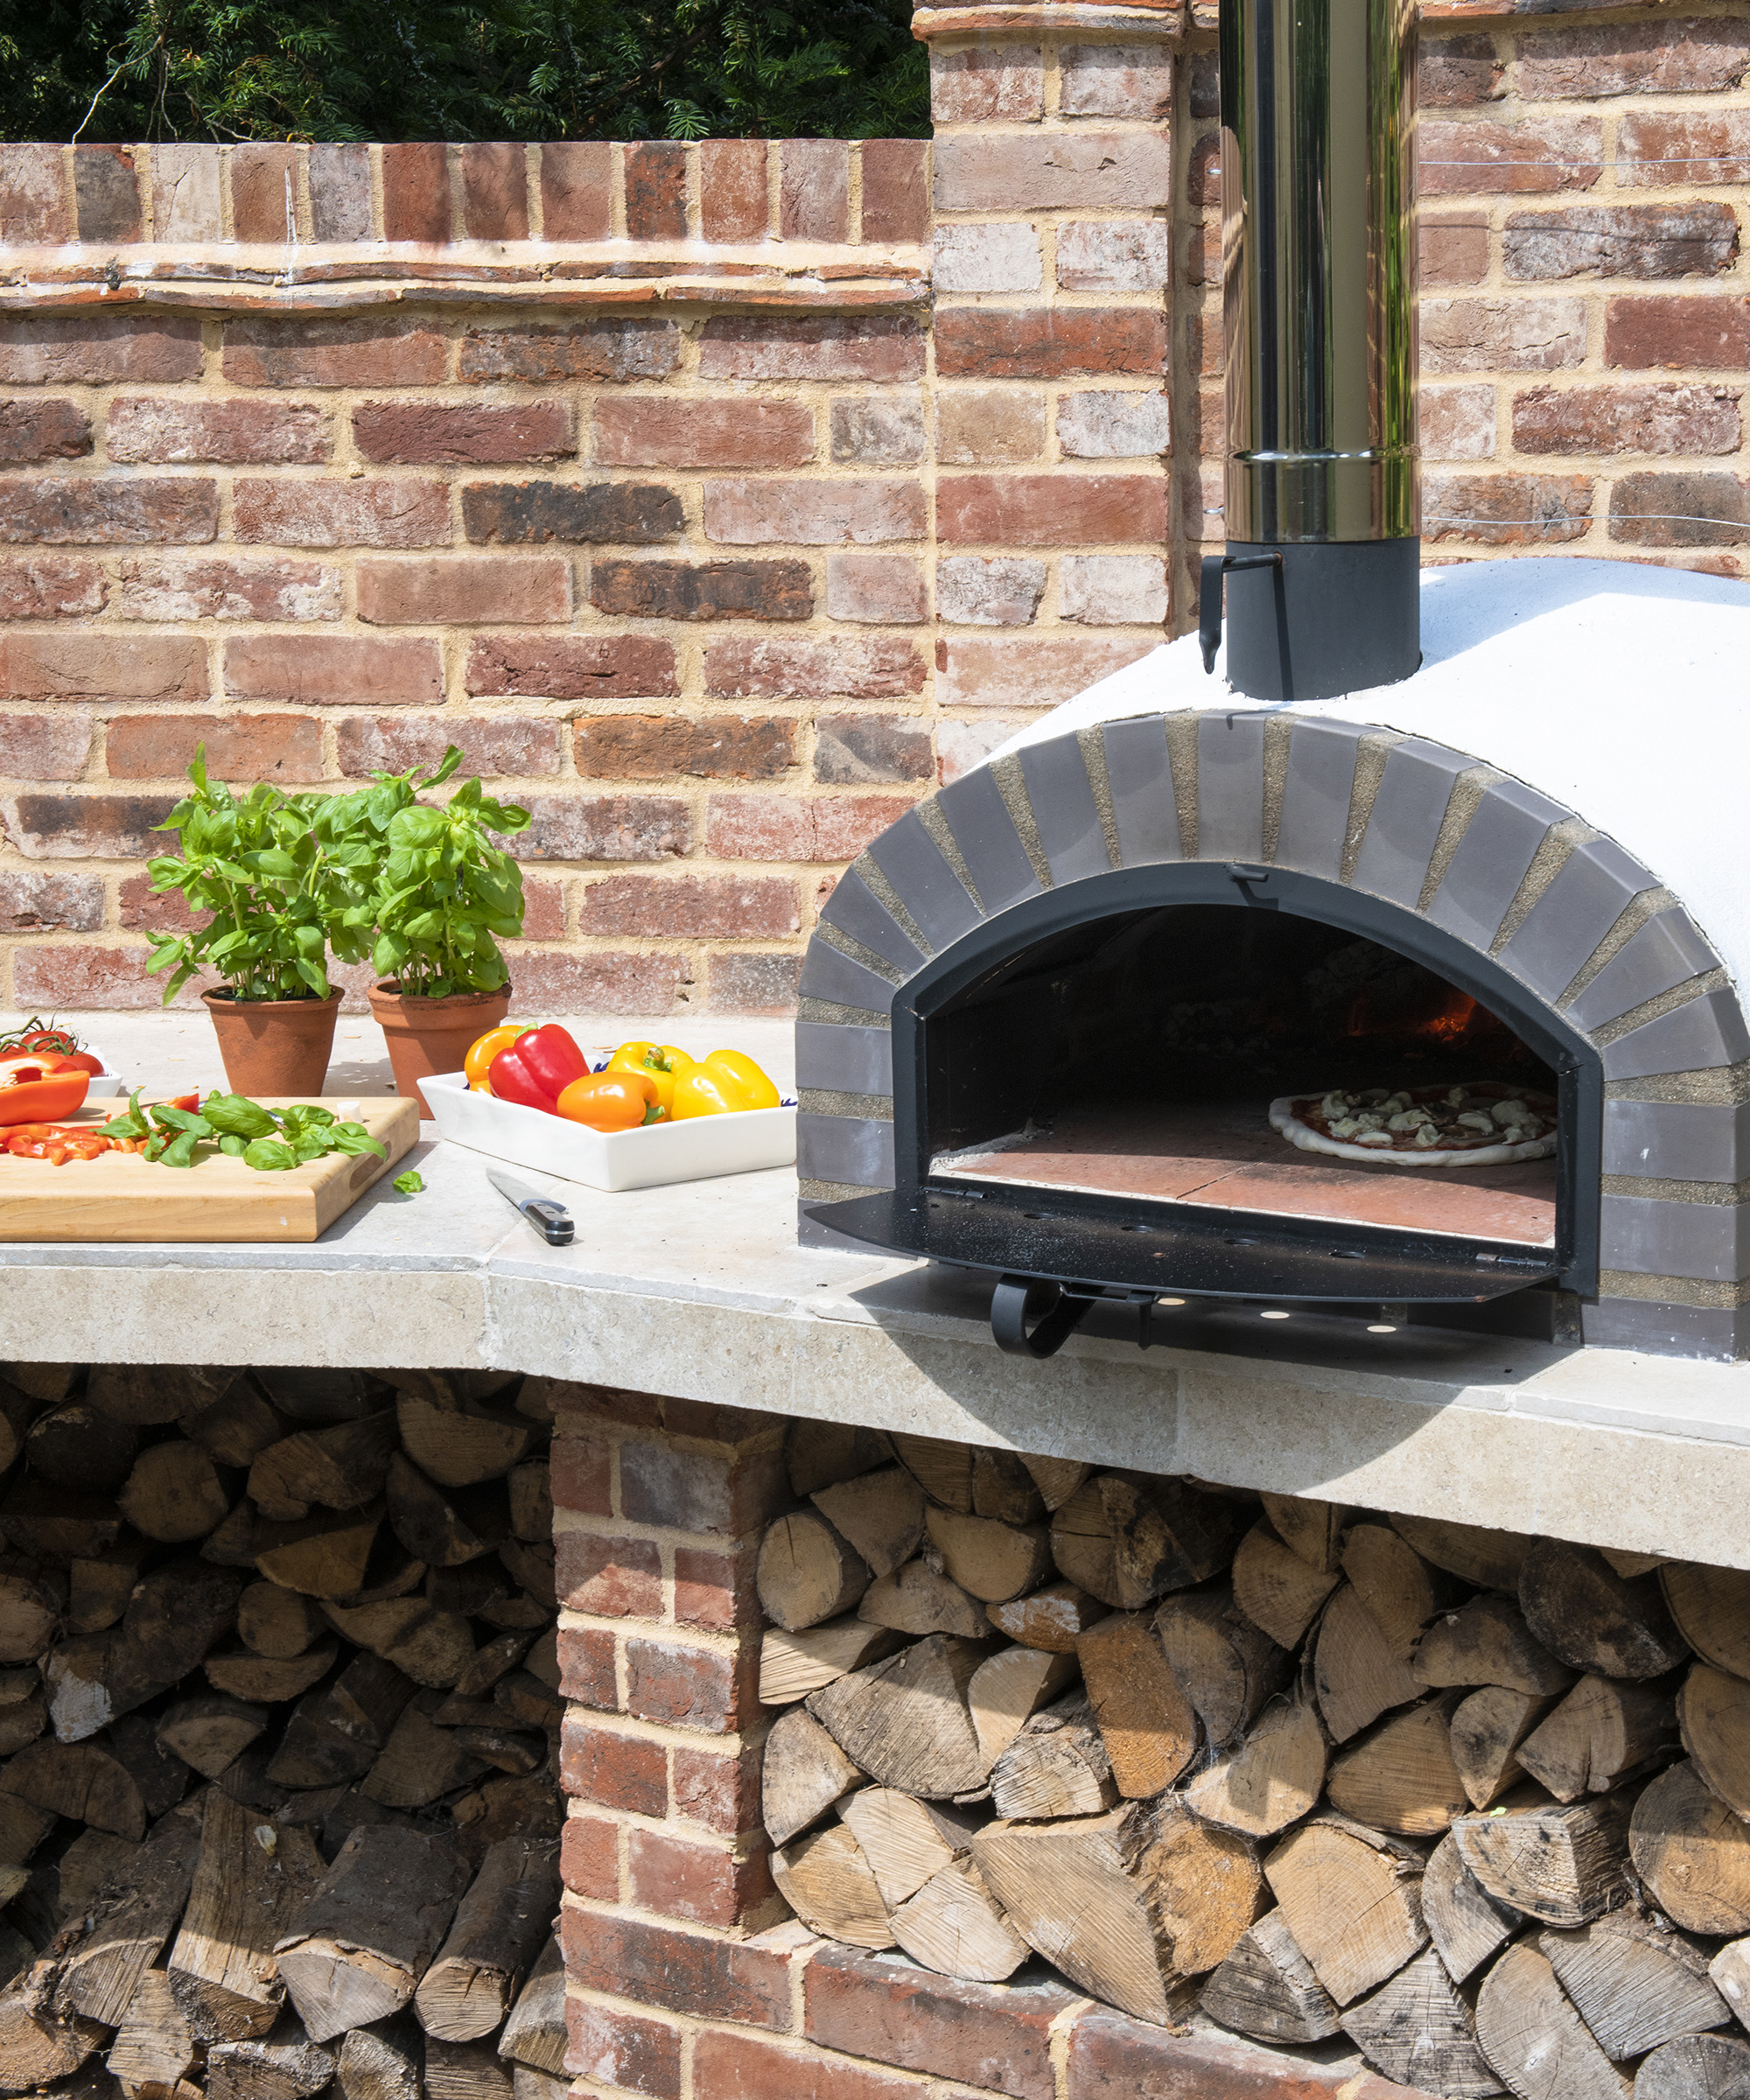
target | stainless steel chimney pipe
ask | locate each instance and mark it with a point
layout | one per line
(1319, 272)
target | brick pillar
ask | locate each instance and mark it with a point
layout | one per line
(1053, 192)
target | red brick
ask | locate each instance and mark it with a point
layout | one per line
(658, 590)
(106, 193)
(1710, 331)
(78, 349)
(298, 351)
(655, 191)
(86, 826)
(1659, 418)
(102, 665)
(49, 587)
(600, 982)
(233, 432)
(609, 667)
(433, 433)
(710, 1422)
(814, 189)
(141, 910)
(1103, 80)
(716, 1591)
(31, 430)
(340, 192)
(576, 204)
(877, 346)
(659, 1485)
(580, 1470)
(333, 670)
(692, 906)
(1083, 170)
(586, 1667)
(1046, 342)
(719, 1789)
(1452, 251)
(1501, 335)
(733, 197)
(32, 196)
(996, 83)
(613, 1769)
(396, 511)
(1555, 153)
(1113, 2058)
(609, 1578)
(862, 750)
(1666, 510)
(1627, 241)
(735, 2067)
(261, 176)
(699, 1884)
(820, 828)
(1050, 510)
(999, 428)
(533, 513)
(416, 193)
(814, 513)
(31, 903)
(465, 590)
(83, 977)
(494, 191)
(588, 1858)
(44, 748)
(1027, 670)
(637, 429)
(681, 1971)
(682, 1687)
(751, 984)
(239, 747)
(882, 667)
(1635, 58)
(1507, 510)
(992, 2036)
(513, 747)
(637, 347)
(544, 906)
(881, 589)
(106, 510)
(1457, 70)
(612, 2048)
(895, 190)
(629, 747)
(207, 587)
(1656, 149)
(1459, 423)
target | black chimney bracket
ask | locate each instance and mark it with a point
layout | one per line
(1215, 568)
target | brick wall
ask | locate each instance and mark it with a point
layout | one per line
(719, 500)
(687, 1978)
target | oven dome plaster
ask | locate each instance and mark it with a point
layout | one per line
(1619, 690)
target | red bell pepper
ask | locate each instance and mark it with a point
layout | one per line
(537, 1068)
(40, 1087)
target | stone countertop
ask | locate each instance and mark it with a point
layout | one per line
(701, 1291)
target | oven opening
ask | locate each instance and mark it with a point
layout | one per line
(1142, 1058)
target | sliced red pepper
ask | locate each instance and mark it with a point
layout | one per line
(38, 1089)
(537, 1068)
(191, 1103)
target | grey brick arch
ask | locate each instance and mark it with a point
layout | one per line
(1524, 881)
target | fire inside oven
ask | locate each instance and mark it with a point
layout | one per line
(1201, 1100)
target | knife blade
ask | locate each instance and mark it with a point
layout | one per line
(546, 1214)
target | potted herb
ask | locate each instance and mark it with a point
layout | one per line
(254, 870)
(434, 895)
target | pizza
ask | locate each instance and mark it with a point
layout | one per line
(1484, 1124)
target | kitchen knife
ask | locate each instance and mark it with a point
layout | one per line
(548, 1216)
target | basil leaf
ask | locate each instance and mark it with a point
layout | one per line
(234, 1144)
(236, 1116)
(409, 1184)
(180, 1150)
(270, 1155)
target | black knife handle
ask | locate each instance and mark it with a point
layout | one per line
(554, 1220)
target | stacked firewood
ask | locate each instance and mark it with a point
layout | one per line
(1479, 1801)
(279, 1804)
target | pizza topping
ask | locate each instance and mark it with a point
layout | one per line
(1427, 1119)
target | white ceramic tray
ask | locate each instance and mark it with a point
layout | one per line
(692, 1151)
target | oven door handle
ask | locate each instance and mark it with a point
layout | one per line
(1065, 1313)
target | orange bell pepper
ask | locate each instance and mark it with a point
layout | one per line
(612, 1100)
(661, 1062)
(722, 1084)
(484, 1048)
(40, 1087)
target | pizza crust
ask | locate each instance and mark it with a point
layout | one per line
(1287, 1119)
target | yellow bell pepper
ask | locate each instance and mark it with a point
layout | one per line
(661, 1063)
(484, 1048)
(724, 1083)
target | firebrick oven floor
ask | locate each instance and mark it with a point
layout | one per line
(1224, 1154)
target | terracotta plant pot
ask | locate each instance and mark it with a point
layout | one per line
(274, 1046)
(433, 1035)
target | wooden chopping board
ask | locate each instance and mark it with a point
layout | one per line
(122, 1196)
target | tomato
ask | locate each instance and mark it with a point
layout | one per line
(85, 1062)
(39, 1089)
